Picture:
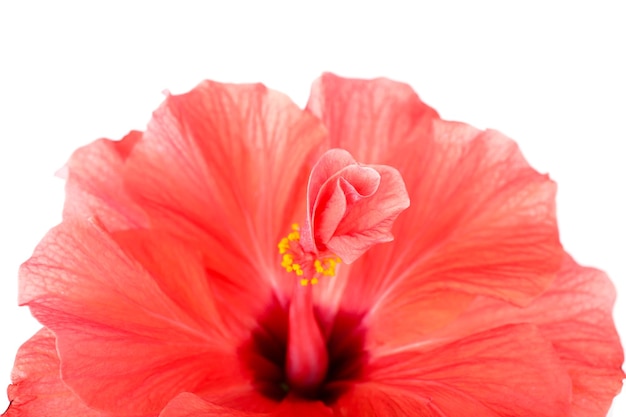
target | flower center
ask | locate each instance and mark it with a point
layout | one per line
(307, 356)
(350, 208)
(265, 354)
(307, 265)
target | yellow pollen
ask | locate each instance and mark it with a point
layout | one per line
(289, 247)
(283, 245)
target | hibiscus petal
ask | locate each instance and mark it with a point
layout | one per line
(369, 118)
(484, 220)
(342, 183)
(126, 346)
(481, 220)
(95, 184)
(501, 372)
(237, 158)
(373, 399)
(352, 207)
(414, 315)
(301, 407)
(575, 314)
(176, 267)
(368, 221)
(37, 389)
(190, 405)
(331, 162)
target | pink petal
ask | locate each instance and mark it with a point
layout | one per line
(487, 223)
(298, 407)
(128, 342)
(237, 158)
(481, 220)
(37, 389)
(575, 315)
(194, 288)
(369, 221)
(346, 186)
(373, 399)
(506, 371)
(352, 207)
(412, 316)
(190, 405)
(95, 184)
(370, 118)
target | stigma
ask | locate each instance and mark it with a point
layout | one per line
(306, 265)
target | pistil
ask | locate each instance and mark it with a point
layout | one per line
(350, 208)
(307, 355)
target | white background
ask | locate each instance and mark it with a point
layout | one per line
(549, 74)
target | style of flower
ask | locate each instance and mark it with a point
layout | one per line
(361, 257)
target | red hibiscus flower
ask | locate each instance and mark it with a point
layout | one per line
(244, 257)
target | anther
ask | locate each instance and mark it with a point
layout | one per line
(304, 264)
